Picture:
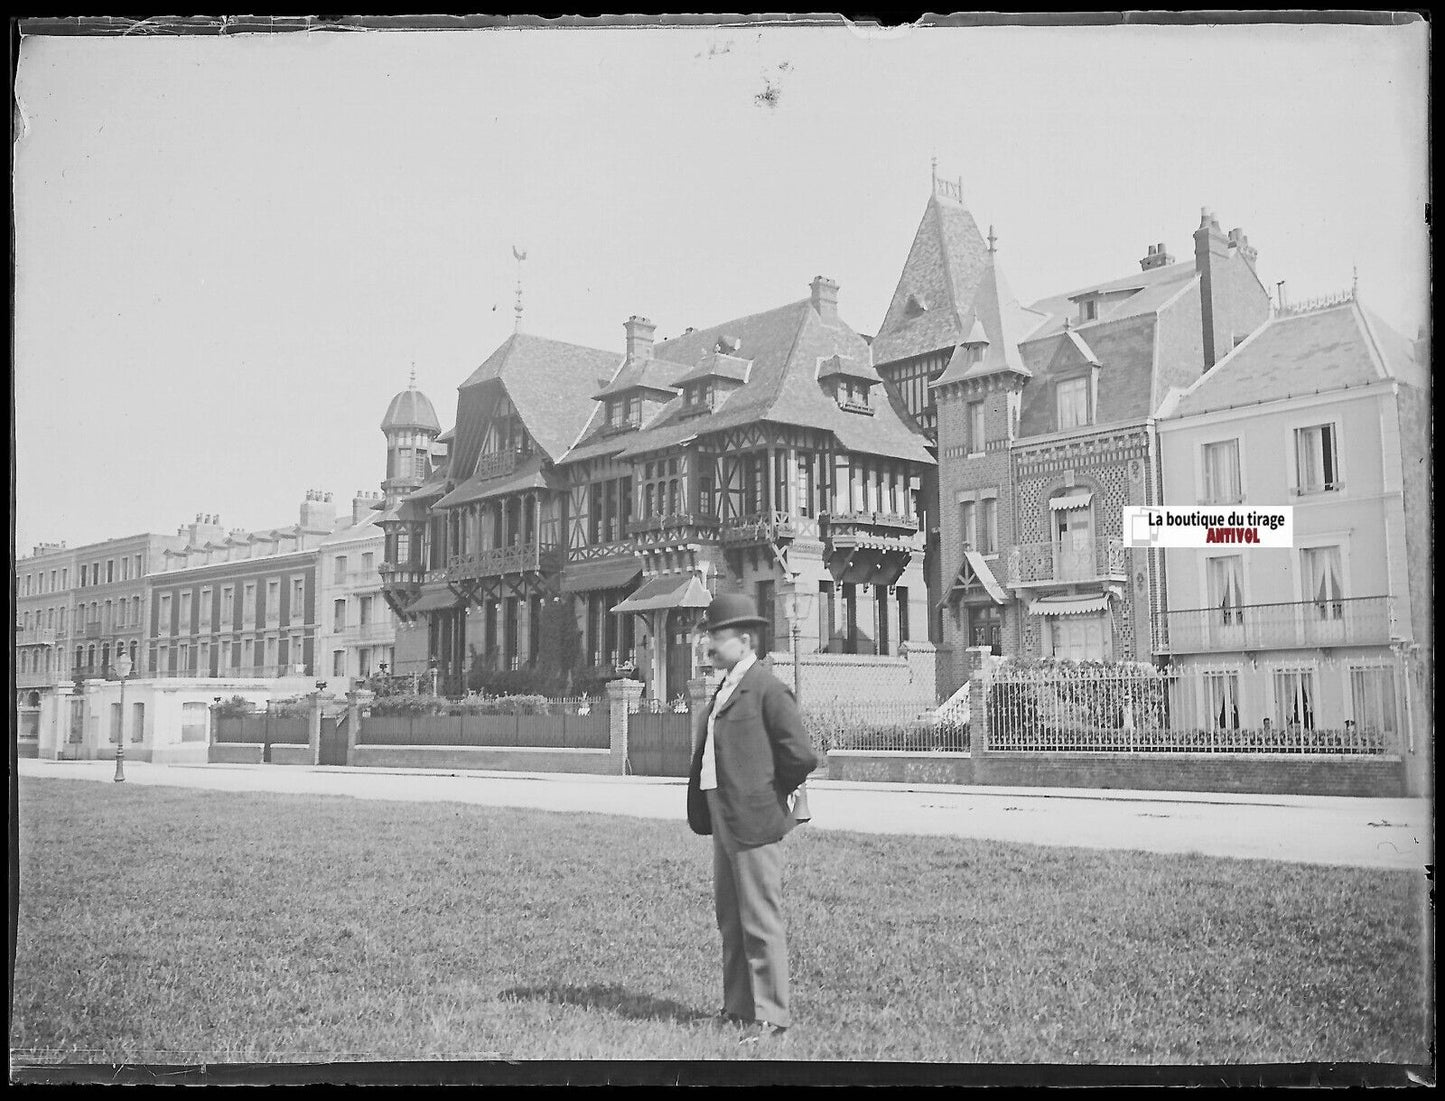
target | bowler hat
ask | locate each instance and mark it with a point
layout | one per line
(731, 610)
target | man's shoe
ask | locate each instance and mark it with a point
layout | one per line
(764, 1030)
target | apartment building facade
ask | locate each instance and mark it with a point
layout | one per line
(356, 628)
(1321, 409)
(240, 604)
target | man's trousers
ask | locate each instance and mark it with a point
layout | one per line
(748, 888)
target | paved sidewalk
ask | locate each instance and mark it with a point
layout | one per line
(1368, 833)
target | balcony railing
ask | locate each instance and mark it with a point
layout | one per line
(761, 527)
(374, 631)
(671, 520)
(898, 521)
(1088, 560)
(872, 529)
(1354, 621)
(263, 672)
(406, 573)
(38, 680)
(36, 636)
(495, 561)
(497, 463)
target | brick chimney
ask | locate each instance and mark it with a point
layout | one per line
(639, 337)
(1211, 251)
(1157, 258)
(825, 297)
(1238, 240)
(317, 511)
(363, 504)
(203, 529)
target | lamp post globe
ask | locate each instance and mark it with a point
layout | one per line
(122, 670)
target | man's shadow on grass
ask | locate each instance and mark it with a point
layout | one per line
(617, 999)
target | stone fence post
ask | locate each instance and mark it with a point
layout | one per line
(357, 701)
(314, 732)
(978, 686)
(622, 696)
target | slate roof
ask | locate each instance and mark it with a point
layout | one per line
(996, 313)
(649, 374)
(1296, 354)
(528, 475)
(1152, 289)
(410, 409)
(943, 270)
(550, 383)
(717, 365)
(786, 346)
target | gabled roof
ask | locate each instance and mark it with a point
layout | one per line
(549, 382)
(527, 475)
(942, 273)
(644, 374)
(1307, 353)
(846, 367)
(785, 346)
(1151, 289)
(717, 365)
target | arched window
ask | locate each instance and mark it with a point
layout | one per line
(90, 657)
(25, 661)
(133, 652)
(104, 655)
(79, 657)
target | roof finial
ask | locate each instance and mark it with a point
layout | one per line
(992, 241)
(934, 164)
(519, 254)
(1354, 280)
(412, 384)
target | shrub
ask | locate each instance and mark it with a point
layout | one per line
(289, 708)
(235, 707)
(407, 703)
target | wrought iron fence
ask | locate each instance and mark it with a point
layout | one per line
(1141, 710)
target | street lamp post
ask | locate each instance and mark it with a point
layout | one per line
(122, 668)
(799, 605)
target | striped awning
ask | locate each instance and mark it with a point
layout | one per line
(1075, 498)
(671, 590)
(1068, 605)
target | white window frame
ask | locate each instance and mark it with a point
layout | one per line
(1202, 487)
(1086, 383)
(1304, 424)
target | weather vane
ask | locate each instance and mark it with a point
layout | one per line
(519, 254)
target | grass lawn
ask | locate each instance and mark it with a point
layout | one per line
(170, 925)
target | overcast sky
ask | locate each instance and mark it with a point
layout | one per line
(231, 250)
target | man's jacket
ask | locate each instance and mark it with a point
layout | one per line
(763, 754)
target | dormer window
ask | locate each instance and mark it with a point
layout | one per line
(699, 395)
(917, 304)
(1089, 309)
(624, 412)
(853, 396)
(1071, 399)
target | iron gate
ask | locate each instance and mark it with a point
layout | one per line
(659, 744)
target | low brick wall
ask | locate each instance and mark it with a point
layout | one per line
(235, 753)
(1237, 773)
(495, 758)
(291, 753)
(900, 768)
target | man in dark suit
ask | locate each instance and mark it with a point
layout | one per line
(750, 753)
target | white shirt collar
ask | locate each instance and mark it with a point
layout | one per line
(736, 673)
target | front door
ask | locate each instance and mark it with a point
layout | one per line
(333, 740)
(679, 652)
